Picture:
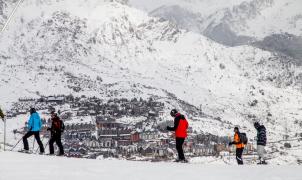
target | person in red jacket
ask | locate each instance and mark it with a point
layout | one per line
(180, 128)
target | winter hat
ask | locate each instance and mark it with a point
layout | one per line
(32, 110)
(236, 128)
(173, 112)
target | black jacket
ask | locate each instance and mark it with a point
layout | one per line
(261, 135)
(176, 122)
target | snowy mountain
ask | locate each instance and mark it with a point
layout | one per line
(286, 44)
(108, 49)
(233, 23)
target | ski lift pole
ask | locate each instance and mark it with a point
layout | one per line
(4, 135)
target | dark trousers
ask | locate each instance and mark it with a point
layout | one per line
(180, 151)
(239, 152)
(56, 138)
(37, 137)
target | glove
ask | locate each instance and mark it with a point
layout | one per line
(230, 143)
(167, 128)
(48, 129)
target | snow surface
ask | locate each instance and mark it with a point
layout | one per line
(16, 166)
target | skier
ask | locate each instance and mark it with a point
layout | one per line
(239, 146)
(180, 128)
(1, 114)
(34, 127)
(261, 142)
(56, 129)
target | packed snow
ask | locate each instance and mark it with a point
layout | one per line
(16, 166)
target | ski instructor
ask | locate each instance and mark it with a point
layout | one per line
(34, 126)
(180, 128)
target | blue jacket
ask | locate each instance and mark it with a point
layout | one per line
(34, 122)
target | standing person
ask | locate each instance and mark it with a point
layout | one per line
(180, 128)
(34, 126)
(56, 129)
(1, 114)
(261, 142)
(239, 146)
(2, 117)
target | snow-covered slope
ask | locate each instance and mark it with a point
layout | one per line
(15, 166)
(232, 23)
(108, 50)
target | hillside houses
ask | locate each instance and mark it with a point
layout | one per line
(94, 127)
(79, 131)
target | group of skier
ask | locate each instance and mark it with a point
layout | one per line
(181, 125)
(34, 126)
(180, 128)
(240, 140)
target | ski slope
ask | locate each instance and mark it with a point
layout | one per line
(16, 166)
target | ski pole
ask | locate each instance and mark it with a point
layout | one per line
(38, 147)
(34, 144)
(229, 156)
(16, 144)
(47, 144)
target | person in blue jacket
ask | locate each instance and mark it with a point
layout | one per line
(34, 125)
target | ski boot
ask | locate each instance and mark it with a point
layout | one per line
(24, 151)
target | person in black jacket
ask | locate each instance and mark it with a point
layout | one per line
(261, 142)
(180, 127)
(56, 129)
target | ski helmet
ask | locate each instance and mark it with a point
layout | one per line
(173, 112)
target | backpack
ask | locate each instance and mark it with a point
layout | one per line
(243, 138)
(62, 126)
(59, 125)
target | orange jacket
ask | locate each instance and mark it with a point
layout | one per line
(237, 141)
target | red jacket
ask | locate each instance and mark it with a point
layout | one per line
(180, 126)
